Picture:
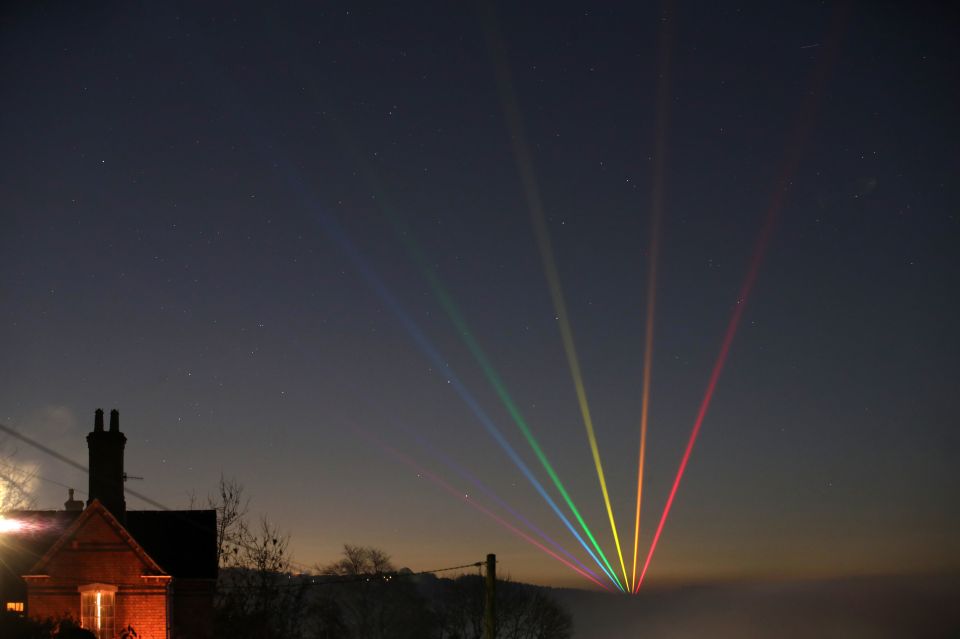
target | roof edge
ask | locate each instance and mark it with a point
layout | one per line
(95, 507)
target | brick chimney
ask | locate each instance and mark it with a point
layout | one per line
(106, 464)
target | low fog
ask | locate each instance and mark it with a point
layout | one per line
(874, 607)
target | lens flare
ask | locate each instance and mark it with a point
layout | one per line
(10, 525)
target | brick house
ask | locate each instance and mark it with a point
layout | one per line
(108, 567)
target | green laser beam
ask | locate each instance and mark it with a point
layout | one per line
(450, 307)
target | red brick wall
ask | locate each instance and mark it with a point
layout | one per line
(145, 610)
(142, 607)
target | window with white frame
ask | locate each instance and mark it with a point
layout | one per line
(97, 602)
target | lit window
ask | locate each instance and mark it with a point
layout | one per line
(15, 606)
(96, 609)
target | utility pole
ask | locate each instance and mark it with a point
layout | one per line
(489, 614)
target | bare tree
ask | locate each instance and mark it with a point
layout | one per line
(374, 601)
(257, 596)
(231, 505)
(359, 560)
(16, 482)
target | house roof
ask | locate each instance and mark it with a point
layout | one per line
(183, 543)
(97, 509)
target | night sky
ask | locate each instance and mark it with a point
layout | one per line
(217, 219)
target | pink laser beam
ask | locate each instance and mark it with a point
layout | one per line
(486, 511)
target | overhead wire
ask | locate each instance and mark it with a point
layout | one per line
(336, 580)
(486, 490)
(435, 452)
(156, 504)
(466, 499)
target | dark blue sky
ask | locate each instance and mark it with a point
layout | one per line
(173, 178)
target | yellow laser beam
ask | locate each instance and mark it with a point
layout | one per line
(535, 204)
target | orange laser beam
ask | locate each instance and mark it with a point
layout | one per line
(660, 150)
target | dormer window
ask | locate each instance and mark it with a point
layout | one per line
(97, 607)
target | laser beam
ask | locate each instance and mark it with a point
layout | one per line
(792, 156)
(463, 329)
(433, 354)
(407, 238)
(291, 176)
(486, 490)
(450, 463)
(460, 495)
(656, 208)
(370, 276)
(531, 191)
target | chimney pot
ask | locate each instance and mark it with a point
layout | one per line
(114, 421)
(72, 504)
(98, 421)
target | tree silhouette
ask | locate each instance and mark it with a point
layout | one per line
(523, 611)
(256, 594)
(374, 600)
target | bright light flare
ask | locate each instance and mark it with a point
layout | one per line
(11, 525)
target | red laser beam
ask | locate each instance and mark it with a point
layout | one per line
(793, 154)
(711, 386)
(763, 241)
(460, 495)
